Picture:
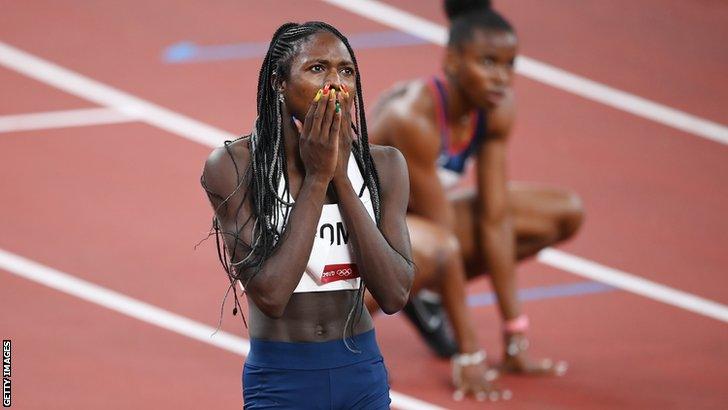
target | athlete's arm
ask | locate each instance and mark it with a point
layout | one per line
(413, 135)
(271, 287)
(383, 253)
(495, 222)
(273, 284)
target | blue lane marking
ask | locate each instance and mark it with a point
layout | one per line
(189, 52)
(545, 292)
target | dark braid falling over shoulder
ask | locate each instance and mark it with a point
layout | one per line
(268, 165)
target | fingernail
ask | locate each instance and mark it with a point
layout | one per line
(326, 88)
(458, 395)
(318, 96)
(333, 94)
(343, 88)
(338, 107)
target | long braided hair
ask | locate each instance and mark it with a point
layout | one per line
(267, 166)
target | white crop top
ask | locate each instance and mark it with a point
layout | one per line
(331, 265)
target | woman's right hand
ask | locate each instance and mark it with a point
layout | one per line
(319, 137)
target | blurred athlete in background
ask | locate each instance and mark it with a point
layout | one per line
(440, 125)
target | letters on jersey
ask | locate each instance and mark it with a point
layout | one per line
(331, 265)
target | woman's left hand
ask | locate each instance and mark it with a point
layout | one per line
(345, 99)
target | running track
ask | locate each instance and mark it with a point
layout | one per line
(108, 210)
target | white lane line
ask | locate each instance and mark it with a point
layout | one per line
(60, 119)
(622, 100)
(545, 73)
(145, 312)
(107, 96)
(151, 314)
(118, 302)
(402, 401)
(633, 283)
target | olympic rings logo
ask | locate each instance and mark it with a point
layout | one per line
(343, 272)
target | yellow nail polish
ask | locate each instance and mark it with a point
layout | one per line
(318, 96)
(333, 94)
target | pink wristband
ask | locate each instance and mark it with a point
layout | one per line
(517, 325)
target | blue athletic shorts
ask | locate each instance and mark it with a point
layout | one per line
(326, 375)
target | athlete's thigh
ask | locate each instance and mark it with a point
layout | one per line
(429, 247)
(539, 210)
(536, 211)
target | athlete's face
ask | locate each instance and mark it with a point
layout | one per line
(322, 59)
(483, 66)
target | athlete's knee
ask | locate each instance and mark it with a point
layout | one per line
(449, 247)
(447, 251)
(572, 217)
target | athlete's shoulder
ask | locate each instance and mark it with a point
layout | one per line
(386, 155)
(404, 111)
(391, 168)
(410, 100)
(389, 161)
(226, 164)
